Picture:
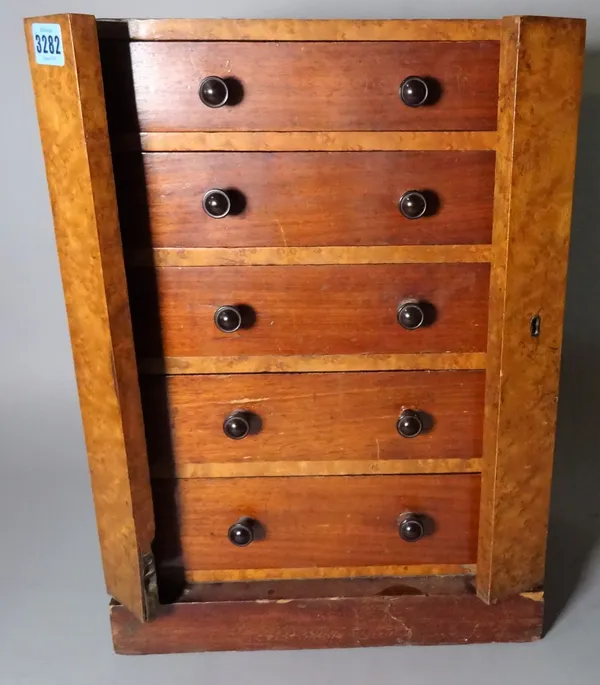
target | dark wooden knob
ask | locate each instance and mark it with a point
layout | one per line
(237, 425)
(228, 318)
(216, 203)
(213, 92)
(409, 424)
(411, 315)
(241, 533)
(412, 204)
(411, 527)
(414, 91)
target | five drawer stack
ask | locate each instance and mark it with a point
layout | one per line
(309, 289)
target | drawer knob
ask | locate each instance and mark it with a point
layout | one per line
(411, 527)
(241, 533)
(409, 424)
(216, 203)
(412, 204)
(214, 92)
(414, 91)
(411, 315)
(228, 318)
(237, 425)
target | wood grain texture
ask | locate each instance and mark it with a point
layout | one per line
(381, 586)
(340, 572)
(164, 78)
(302, 30)
(427, 618)
(536, 159)
(312, 417)
(303, 310)
(305, 198)
(72, 120)
(315, 363)
(291, 256)
(333, 521)
(343, 467)
(276, 141)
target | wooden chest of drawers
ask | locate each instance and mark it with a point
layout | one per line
(314, 274)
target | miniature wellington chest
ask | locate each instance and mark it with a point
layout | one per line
(314, 275)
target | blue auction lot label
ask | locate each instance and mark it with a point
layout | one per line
(48, 45)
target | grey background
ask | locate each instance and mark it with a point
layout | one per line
(53, 610)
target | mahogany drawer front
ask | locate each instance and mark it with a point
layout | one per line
(332, 521)
(313, 416)
(296, 86)
(307, 310)
(306, 198)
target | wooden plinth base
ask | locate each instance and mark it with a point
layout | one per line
(321, 614)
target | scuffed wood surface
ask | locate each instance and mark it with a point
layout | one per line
(295, 86)
(541, 66)
(72, 120)
(326, 573)
(405, 619)
(312, 417)
(340, 467)
(303, 310)
(292, 256)
(301, 199)
(300, 29)
(313, 523)
(315, 363)
(382, 586)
